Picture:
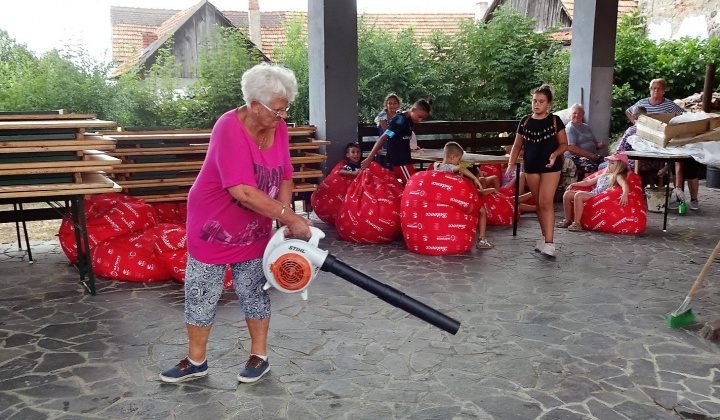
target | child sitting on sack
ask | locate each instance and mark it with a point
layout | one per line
(452, 153)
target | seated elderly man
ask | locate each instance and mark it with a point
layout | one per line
(582, 145)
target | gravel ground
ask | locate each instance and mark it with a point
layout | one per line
(38, 231)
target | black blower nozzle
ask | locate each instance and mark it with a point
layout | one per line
(390, 295)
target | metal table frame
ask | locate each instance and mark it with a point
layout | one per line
(57, 210)
(666, 159)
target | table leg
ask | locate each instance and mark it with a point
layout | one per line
(83, 246)
(17, 228)
(667, 197)
(517, 198)
(27, 238)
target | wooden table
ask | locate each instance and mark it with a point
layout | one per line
(666, 159)
(77, 216)
(436, 155)
(48, 156)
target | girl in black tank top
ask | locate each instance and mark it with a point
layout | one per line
(539, 142)
(542, 137)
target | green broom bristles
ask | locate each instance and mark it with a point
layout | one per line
(682, 319)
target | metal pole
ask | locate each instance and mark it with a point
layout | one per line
(708, 89)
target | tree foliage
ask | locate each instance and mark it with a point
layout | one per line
(485, 72)
(638, 60)
(294, 55)
(494, 66)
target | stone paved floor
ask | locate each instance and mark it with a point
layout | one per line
(584, 336)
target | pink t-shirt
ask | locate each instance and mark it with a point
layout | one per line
(221, 230)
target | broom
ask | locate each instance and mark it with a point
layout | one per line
(684, 315)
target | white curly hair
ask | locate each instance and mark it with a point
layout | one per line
(266, 82)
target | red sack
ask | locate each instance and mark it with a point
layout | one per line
(499, 209)
(170, 237)
(603, 213)
(510, 192)
(107, 215)
(175, 212)
(130, 257)
(176, 263)
(439, 213)
(371, 211)
(490, 170)
(330, 195)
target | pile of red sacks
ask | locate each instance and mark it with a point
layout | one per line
(131, 239)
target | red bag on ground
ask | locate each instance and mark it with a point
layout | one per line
(330, 195)
(491, 169)
(370, 213)
(499, 209)
(603, 213)
(175, 212)
(107, 215)
(176, 263)
(439, 213)
(133, 256)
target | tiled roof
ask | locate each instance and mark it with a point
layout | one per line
(272, 30)
(127, 40)
(423, 24)
(163, 32)
(624, 6)
(137, 16)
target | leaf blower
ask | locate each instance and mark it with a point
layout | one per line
(290, 264)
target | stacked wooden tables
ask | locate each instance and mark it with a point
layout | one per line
(162, 165)
(49, 156)
(306, 157)
(158, 165)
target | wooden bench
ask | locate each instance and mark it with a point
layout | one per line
(486, 137)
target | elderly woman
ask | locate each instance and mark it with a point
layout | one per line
(582, 145)
(658, 104)
(243, 185)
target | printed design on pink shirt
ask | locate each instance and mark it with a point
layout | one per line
(268, 180)
(213, 231)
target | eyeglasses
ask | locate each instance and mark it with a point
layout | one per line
(277, 113)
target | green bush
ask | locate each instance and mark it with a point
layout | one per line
(485, 72)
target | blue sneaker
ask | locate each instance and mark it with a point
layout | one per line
(255, 369)
(184, 371)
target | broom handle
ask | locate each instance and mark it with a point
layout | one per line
(390, 295)
(705, 270)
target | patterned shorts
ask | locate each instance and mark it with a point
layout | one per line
(204, 285)
(588, 166)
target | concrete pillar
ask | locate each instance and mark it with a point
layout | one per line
(592, 61)
(333, 78)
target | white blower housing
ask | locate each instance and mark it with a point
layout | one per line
(290, 264)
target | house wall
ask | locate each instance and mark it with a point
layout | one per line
(188, 40)
(672, 19)
(191, 36)
(548, 13)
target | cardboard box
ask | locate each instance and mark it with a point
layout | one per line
(655, 127)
